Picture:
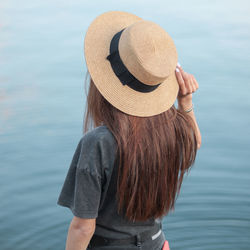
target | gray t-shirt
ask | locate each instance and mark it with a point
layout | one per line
(89, 189)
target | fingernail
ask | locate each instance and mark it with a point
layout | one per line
(177, 70)
(178, 64)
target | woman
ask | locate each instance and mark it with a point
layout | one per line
(126, 173)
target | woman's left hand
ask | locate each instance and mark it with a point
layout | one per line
(187, 85)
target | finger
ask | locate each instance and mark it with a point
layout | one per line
(185, 77)
(187, 80)
(192, 84)
(190, 87)
(196, 83)
(183, 73)
(181, 82)
(188, 83)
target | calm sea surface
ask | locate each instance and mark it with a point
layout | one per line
(42, 102)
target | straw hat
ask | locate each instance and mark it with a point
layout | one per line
(132, 63)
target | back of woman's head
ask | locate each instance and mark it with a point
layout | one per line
(154, 152)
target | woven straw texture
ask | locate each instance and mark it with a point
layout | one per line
(136, 57)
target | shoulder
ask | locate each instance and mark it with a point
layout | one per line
(97, 150)
(98, 136)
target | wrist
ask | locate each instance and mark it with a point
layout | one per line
(184, 103)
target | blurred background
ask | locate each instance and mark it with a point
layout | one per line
(42, 102)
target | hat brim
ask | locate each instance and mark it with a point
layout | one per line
(96, 49)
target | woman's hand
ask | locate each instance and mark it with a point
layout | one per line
(187, 86)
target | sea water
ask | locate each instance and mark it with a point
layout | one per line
(42, 102)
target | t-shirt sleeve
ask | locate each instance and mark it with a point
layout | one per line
(81, 191)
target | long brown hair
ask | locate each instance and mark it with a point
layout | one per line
(154, 154)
